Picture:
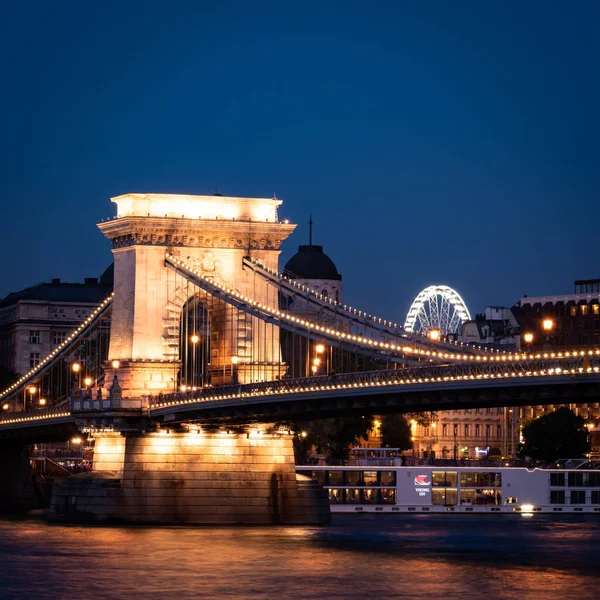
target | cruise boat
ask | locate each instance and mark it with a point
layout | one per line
(457, 489)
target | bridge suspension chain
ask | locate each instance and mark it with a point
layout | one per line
(353, 315)
(52, 378)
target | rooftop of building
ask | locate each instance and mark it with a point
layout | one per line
(92, 291)
(310, 262)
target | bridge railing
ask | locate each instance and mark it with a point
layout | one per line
(443, 375)
(25, 416)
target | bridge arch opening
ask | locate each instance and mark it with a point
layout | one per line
(195, 343)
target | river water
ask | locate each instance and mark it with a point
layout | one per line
(358, 556)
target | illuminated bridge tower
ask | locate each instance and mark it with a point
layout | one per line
(213, 234)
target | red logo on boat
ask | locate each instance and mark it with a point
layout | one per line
(421, 480)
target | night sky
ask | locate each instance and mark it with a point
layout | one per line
(433, 142)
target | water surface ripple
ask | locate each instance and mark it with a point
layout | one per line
(358, 556)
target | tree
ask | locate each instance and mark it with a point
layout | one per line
(395, 432)
(333, 437)
(559, 434)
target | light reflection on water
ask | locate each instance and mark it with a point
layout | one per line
(359, 556)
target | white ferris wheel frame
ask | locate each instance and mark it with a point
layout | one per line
(440, 316)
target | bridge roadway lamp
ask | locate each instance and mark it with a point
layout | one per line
(31, 390)
(548, 324)
(76, 368)
(43, 402)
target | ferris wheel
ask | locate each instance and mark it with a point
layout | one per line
(437, 307)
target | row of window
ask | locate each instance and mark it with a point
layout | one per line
(355, 478)
(571, 311)
(452, 497)
(574, 496)
(587, 288)
(364, 496)
(477, 497)
(468, 430)
(467, 479)
(58, 337)
(479, 410)
(575, 479)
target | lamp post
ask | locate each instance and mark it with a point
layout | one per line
(528, 339)
(32, 390)
(234, 370)
(455, 448)
(548, 326)
(194, 339)
(76, 368)
(316, 363)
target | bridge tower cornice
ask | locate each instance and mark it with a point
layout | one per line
(195, 233)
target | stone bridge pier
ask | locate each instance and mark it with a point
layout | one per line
(192, 477)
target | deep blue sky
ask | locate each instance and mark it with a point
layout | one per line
(433, 142)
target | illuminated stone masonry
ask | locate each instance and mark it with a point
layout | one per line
(225, 477)
(213, 233)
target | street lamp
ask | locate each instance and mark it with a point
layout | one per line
(547, 326)
(43, 401)
(434, 335)
(32, 390)
(528, 339)
(116, 364)
(194, 339)
(76, 368)
(88, 381)
(5, 406)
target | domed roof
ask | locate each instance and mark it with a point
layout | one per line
(310, 262)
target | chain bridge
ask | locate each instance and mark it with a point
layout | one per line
(188, 376)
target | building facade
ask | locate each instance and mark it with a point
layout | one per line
(36, 320)
(559, 322)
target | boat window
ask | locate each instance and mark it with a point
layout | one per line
(352, 496)
(575, 479)
(444, 478)
(595, 496)
(594, 479)
(369, 496)
(336, 477)
(353, 478)
(335, 496)
(557, 479)
(370, 477)
(557, 497)
(480, 479)
(444, 496)
(480, 496)
(318, 476)
(577, 496)
(388, 496)
(388, 477)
